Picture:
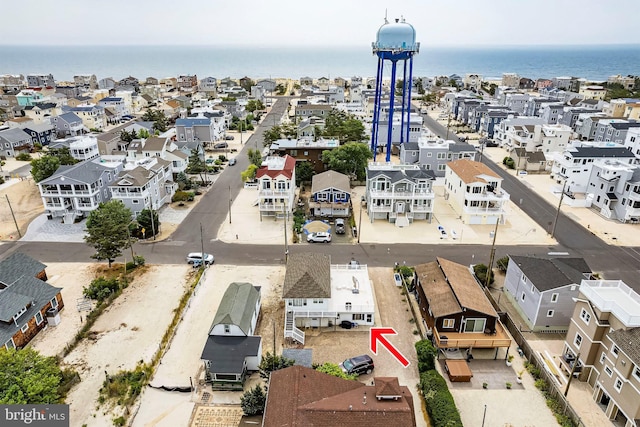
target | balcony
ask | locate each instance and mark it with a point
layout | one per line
(277, 193)
(428, 194)
(55, 192)
(472, 339)
(634, 196)
(421, 208)
(273, 207)
(380, 208)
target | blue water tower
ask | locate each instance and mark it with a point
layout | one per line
(396, 41)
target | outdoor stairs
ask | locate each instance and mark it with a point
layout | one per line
(69, 218)
(402, 221)
(290, 329)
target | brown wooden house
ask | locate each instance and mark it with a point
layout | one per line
(27, 302)
(455, 308)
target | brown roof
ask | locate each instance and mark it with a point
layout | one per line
(308, 275)
(629, 341)
(154, 143)
(441, 299)
(470, 171)
(466, 288)
(330, 179)
(301, 397)
(387, 386)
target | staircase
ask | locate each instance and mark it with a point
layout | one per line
(402, 221)
(69, 218)
(290, 330)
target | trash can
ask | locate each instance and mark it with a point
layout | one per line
(491, 234)
(355, 231)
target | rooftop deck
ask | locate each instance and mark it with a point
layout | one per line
(473, 339)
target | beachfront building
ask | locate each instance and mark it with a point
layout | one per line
(603, 340)
(319, 294)
(40, 80)
(614, 130)
(276, 180)
(475, 192)
(73, 191)
(12, 82)
(399, 193)
(511, 80)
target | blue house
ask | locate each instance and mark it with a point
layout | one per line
(330, 195)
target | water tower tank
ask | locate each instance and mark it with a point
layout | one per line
(396, 35)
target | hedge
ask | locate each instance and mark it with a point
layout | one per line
(440, 404)
(426, 355)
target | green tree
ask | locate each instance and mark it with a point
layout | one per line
(335, 370)
(64, 155)
(196, 164)
(272, 362)
(44, 167)
(503, 263)
(143, 133)
(426, 355)
(271, 135)
(304, 172)
(249, 174)
(184, 182)
(145, 223)
(344, 127)
(253, 105)
(399, 87)
(157, 117)
(107, 230)
(480, 271)
(26, 377)
(246, 84)
(253, 401)
(255, 156)
(126, 136)
(350, 159)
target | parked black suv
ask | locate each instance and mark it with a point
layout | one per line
(358, 365)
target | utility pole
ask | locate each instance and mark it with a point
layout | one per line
(360, 222)
(153, 225)
(286, 240)
(229, 204)
(573, 370)
(448, 122)
(493, 254)
(133, 257)
(555, 221)
(14, 217)
(202, 245)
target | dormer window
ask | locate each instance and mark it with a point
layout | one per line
(22, 311)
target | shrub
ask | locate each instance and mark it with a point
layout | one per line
(440, 404)
(503, 263)
(253, 401)
(183, 196)
(541, 384)
(24, 157)
(480, 270)
(426, 355)
(222, 158)
(101, 288)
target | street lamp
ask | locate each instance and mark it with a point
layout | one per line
(230, 204)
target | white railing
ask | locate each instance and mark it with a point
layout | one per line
(290, 329)
(309, 313)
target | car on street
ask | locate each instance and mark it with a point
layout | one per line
(221, 145)
(197, 258)
(358, 365)
(229, 137)
(320, 237)
(232, 162)
(340, 226)
(443, 232)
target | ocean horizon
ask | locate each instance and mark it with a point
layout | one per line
(593, 62)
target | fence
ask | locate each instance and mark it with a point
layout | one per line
(531, 356)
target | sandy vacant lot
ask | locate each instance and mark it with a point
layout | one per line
(26, 203)
(127, 332)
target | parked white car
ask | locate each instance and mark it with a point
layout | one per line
(197, 257)
(319, 237)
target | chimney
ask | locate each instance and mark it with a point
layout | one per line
(364, 398)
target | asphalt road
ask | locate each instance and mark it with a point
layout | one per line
(613, 262)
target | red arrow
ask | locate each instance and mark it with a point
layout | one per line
(376, 334)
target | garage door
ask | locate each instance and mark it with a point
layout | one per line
(492, 219)
(475, 219)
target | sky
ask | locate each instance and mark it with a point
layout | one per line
(327, 22)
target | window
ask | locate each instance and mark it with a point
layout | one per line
(636, 373)
(358, 316)
(615, 350)
(227, 329)
(369, 317)
(347, 306)
(578, 340)
(522, 297)
(25, 328)
(603, 356)
(586, 317)
(317, 301)
(618, 384)
(554, 297)
(448, 323)
(38, 318)
(10, 344)
(608, 370)
(550, 313)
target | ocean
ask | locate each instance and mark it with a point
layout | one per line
(595, 63)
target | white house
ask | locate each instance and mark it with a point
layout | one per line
(319, 294)
(475, 193)
(276, 186)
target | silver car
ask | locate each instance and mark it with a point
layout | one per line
(196, 258)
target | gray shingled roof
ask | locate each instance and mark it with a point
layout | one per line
(14, 135)
(629, 342)
(411, 146)
(85, 172)
(552, 273)
(237, 306)
(308, 276)
(21, 287)
(227, 354)
(399, 175)
(602, 152)
(330, 179)
(461, 147)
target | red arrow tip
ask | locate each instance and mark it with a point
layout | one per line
(377, 334)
